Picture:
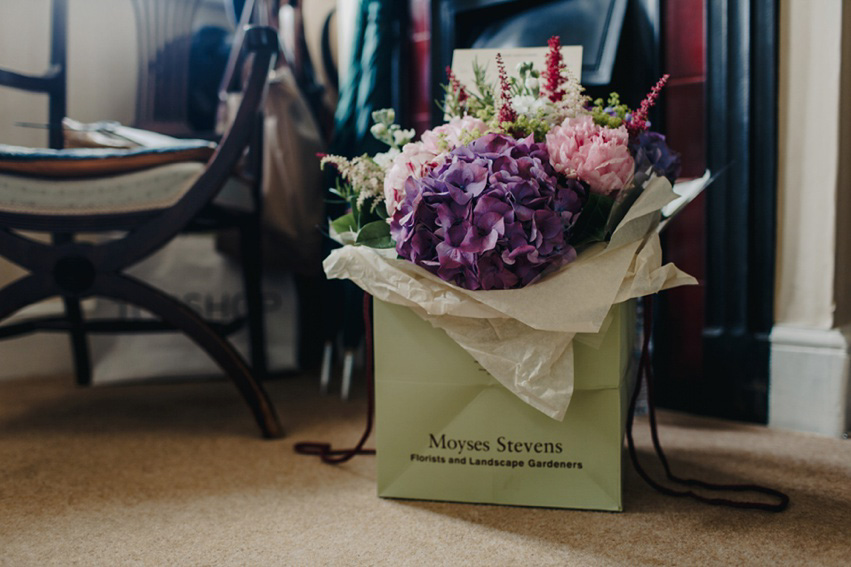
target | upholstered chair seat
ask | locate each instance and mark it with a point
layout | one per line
(103, 182)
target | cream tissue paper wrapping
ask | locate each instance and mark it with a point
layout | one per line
(524, 337)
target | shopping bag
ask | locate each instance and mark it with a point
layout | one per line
(447, 430)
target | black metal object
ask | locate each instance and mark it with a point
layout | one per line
(740, 221)
(74, 270)
(594, 25)
(620, 38)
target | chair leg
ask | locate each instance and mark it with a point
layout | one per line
(251, 244)
(142, 295)
(79, 341)
(74, 315)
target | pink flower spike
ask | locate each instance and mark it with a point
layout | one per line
(506, 112)
(639, 118)
(553, 73)
(457, 88)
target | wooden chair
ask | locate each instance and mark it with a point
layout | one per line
(147, 205)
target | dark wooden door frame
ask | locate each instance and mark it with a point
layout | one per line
(445, 15)
(740, 217)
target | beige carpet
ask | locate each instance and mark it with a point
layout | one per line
(175, 474)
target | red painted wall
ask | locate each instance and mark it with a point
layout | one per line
(684, 52)
(419, 78)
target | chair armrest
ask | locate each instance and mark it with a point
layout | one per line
(46, 83)
(261, 38)
(262, 42)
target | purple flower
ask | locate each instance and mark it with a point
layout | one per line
(493, 215)
(651, 151)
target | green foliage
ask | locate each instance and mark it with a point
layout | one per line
(528, 81)
(485, 89)
(524, 125)
(590, 227)
(375, 235)
(468, 136)
(367, 222)
(480, 103)
(345, 191)
(387, 131)
(610, 114)
(345, 223)
(451, 105)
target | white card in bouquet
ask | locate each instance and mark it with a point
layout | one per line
(462, 61)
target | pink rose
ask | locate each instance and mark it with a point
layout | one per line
(595, 154)
(414, 161)
(451, 133)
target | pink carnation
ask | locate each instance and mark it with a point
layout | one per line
(451, 133)
(414, 161)
(595, 154)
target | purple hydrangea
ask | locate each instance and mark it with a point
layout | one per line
(650, 150)
(494, 215)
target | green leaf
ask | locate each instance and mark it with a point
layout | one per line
(381, 210)
(345, 223)
(591, 225)
(375, 235)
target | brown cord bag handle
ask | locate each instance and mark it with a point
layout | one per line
(324, 451)
(645, 372)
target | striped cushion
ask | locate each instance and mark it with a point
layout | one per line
(92, 162)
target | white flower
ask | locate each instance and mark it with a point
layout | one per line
(529, 105)
(386, 158)
(531, 83)
(573, 101)
(378, 130)
(402, 137)
(522, 103)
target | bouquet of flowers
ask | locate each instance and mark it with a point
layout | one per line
(528, 182)
(522, 175)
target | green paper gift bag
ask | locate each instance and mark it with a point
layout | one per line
(447, 430)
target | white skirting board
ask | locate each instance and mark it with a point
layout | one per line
(809, 385)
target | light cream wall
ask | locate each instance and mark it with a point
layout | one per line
(101, 63)
(24, 33)
(101, 67)
(808, 266)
